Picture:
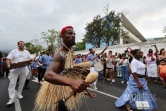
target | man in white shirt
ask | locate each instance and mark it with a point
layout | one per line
(15, 56)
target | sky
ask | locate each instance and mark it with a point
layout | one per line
(26, 19)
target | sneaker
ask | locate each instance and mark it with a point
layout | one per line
(19, 96)
(95, 88)
(127, 82)
(113, 80)
(122, 82)
(10, 102)
(164, 87)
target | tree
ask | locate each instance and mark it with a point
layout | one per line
(106, 29)
(50, 39)
(5, 54)
(29, 46)
(80, 45)
(164, 30)
(94, 32)
(34, 46)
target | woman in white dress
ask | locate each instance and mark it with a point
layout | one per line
(151, 65)
(137, 86)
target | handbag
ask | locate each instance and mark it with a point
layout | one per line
(142, 105)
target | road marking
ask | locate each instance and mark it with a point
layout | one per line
(17, 104)
(106, 94)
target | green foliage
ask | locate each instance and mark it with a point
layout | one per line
(94, 33)
(104, 29)
(50, 39)
(5, 54)
(164, 30)
(34, 46)
(80, 45)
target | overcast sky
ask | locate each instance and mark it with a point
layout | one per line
(26, 19)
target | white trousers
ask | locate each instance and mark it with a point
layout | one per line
(93, 70)
(29, 75)
(22, 73)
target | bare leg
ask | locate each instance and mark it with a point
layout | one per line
(111, 75)
(128, 107)
(106, 75)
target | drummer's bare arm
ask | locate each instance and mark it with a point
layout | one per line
(53, 77)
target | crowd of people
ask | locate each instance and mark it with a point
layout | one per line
(131, 66)
(118, 65)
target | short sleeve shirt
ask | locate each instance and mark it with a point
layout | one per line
(149, 60)
(90, 56)
(78, 60)
(34, 65)
(45, 59)
(109, 63)
(19, 56)
(125, 62)
(138, 67)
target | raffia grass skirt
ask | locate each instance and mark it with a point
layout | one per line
(49, 94)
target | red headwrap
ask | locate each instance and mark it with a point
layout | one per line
(64, 30)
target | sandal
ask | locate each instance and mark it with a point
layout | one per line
(128, 107)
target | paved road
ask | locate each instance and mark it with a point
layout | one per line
(104, 101)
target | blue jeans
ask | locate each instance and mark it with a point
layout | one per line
(124, 73)
(118, 69)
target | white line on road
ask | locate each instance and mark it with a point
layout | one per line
(17, 104)
(106, 94)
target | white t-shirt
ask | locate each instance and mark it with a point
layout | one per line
(125, 62)
(109, 63)
(138, 67)
(19, 56)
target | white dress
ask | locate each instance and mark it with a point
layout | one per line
(151, 67)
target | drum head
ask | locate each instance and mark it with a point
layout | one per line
(98, 66)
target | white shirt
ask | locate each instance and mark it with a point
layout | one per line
(138, 67)
(109, 63)
(19, 56)
(38, 63)
(125, 62)
(149, 60)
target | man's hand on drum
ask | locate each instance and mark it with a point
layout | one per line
(78, 85)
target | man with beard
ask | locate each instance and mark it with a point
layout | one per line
(57, 65)
(54, 74)
(15, 56)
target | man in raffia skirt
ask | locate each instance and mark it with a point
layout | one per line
(61, 79)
